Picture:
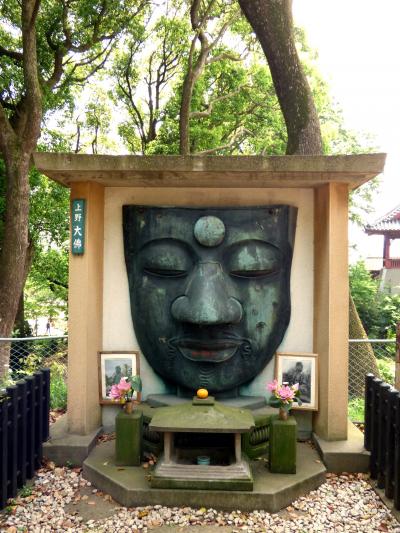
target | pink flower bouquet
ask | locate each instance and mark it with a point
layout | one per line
(123, 391)
(283, 396)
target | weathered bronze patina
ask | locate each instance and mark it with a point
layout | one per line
(210, 290)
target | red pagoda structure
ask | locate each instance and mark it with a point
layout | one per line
(388, 226)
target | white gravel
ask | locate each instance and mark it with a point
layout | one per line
(343, 503)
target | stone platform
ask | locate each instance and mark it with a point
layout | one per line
(130, 486)
(243, 402)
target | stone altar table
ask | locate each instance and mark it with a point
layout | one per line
(177, 468)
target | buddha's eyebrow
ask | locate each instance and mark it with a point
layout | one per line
(162, 241)
(256, 241)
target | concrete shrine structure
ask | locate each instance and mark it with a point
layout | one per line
(99, 307)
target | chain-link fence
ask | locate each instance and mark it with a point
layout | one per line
(376, 356)
(28, 354)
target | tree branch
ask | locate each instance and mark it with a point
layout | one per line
(18, 56)
(224, 55)
(207, 112)
(217, 149)
(29, 125)
(7, 135)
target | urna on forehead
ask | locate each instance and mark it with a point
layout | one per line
(210, 227)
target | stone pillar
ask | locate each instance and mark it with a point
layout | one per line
(331, 309)
(85, 315)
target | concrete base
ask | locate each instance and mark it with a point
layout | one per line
(130, 486)
(65, 448)
(173, 475)
(344, 455)
(244, 402)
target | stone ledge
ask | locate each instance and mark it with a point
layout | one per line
(344, 455)
(272, 492)
(210, 171)
(66, 448)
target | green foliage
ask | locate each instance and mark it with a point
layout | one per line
(386, 366)
(58, 386)
(74, 40)
(379, 312)
(356, 410)
(234, 108)
(47, 283)
(145, 70)
(25, 491)
(390, 314)
(30, 364)
(364, 290)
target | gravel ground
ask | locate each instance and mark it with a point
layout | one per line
(61, 500)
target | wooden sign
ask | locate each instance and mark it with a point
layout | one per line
(78, 215)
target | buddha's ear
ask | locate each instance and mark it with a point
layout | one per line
(292, 222)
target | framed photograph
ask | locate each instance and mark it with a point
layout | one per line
(112, 367)
(301, 368)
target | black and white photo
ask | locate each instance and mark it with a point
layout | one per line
(302, 369)
(112, 367)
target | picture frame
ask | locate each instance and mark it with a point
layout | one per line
(109, 373)
(299, 368)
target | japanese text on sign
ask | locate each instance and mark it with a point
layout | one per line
(78, 226)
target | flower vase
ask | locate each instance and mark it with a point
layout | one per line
(283, 414)
(128, 407)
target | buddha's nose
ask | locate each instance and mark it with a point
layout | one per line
(207, 300)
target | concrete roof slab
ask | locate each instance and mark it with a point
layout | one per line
(210, 171)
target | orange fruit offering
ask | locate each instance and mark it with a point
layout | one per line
(202, 393)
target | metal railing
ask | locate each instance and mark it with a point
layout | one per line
(382, 435)
(24, 426)
(25, 355)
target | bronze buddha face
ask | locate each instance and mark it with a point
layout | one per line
(209, 290)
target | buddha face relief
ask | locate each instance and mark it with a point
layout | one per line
(209, 290)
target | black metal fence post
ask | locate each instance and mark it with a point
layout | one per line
(24, 425)
(389, 443)
(369, 390)
(38, 418)
(46, 404)
(30, 429)
(12, 440)
(396, 488)
(374, 427)
(22, 422)
(382, 435)
(3, 449)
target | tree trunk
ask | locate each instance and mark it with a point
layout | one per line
(184, 115)
(18, 139)
(272, 23)
(19, 324)
(15, 258)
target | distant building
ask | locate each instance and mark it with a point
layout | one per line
(388, 266)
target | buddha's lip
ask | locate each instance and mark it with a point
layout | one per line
(213, 350)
